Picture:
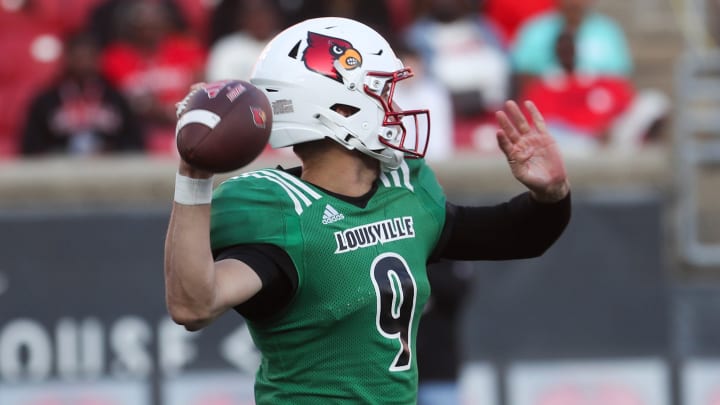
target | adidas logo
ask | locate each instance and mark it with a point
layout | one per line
(331, 215)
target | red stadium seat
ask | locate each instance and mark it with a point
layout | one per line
(60, 16)
(31, 40)
(476, 134)
(34, 52)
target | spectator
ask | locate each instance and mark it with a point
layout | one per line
(153, 66)
(255, 23)
(602, 48)
(464, 52)
(423, 91)
(439, 358)
(196, 14)
(375, 13)
(106, 27)
(585, 111)
(222, 21)
(510, 15)
(400, 15)
(80, 113)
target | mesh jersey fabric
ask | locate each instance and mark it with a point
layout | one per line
(348, 335)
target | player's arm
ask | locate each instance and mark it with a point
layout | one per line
(198, 289)
(517, 229)
(527, 225)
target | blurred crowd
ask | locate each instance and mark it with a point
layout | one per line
(88, 77)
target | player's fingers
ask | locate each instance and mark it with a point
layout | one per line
(507, 126)
(537, 117)
(504, 143)
(517, 117)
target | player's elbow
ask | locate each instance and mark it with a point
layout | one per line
(195, 326)
(191, 319)
(534, 247)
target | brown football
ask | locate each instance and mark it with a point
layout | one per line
(223, 126)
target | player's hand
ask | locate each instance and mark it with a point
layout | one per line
(532, 153)
(185, 168)
(189, 171)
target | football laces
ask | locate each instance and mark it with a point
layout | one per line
(182, 105)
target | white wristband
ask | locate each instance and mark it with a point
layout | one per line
(189, 191)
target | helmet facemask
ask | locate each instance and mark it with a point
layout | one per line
(401, 133)
(407, 131)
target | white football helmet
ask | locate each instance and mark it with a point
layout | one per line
(312, 67)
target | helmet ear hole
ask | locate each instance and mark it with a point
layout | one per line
(344, 109)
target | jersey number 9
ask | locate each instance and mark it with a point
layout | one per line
(395, 291)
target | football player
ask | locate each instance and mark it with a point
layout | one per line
(327, 261)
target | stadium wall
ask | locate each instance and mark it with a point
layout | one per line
(605, 317)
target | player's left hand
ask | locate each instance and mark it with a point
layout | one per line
(532, 153)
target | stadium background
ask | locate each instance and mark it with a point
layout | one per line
(625, 309)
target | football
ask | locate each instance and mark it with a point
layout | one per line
(223, 126)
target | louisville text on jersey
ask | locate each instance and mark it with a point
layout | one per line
(371, 234)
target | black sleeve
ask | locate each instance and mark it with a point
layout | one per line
(277, 273)
(518, 229)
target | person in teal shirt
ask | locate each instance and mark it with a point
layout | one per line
(602, 47)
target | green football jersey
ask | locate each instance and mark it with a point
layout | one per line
(348, 335)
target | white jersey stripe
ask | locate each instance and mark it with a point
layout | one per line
(383, 178)
(406, 175)
(272, 175)
(288, 183)
(391, 178)
(396, 178)
(296, 202)
(299, 183)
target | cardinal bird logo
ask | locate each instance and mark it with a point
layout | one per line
(259, 117)
(322, 51)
